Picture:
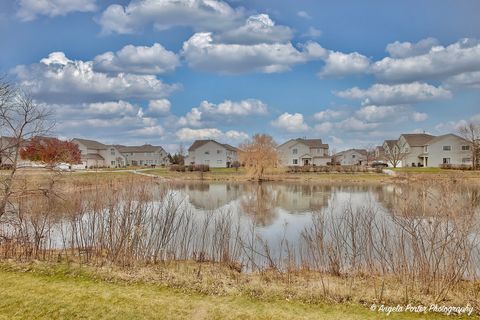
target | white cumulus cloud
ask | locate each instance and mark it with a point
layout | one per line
(290, 122)
(60, 80)
(163, 14)
(30, 9)
(142, 60)
(188, 134)
(340, 64)
(383, 94)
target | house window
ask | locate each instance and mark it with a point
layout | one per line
(353, 156)
(207, 152)
(406, 149)
(219, 151)
(112, 163)
(446, 160)
(207, 161)
(447, 148)
(219, 161)
(425, 149)
(294, 151)
(465, 148)
(295, 161)
(466, 160)
(112, 152)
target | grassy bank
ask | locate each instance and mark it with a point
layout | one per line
(60, 293)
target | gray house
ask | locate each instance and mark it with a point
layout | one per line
(96, 155)
(212, 153)
(299, 152)
(146, 155)
(352, 157)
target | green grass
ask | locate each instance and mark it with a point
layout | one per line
(57, 295)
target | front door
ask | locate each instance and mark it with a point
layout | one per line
(305, 162)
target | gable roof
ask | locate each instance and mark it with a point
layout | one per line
(360, 151)
(390, 143)
(91, 144)
(438, 138)
(198, 143)
(417, 139)
(311, 143)
(139, 149)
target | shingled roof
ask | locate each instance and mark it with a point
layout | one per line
(139, 149)
(360, 151)
(198, 143)
(92, 144)
(311, 143)
(417, 139)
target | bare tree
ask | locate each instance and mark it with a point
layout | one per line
(370, 153)
(258, 154)
(20, 120)
(471, 133)
(395, 152)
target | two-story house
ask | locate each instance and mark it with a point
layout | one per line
(411, 146)
(446, 149)
(212, 153)
(300, 152)
(95, 154)
(146, 155)
(352, 157)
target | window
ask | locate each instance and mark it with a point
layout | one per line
(294, 151)
(219, 151)
(112, 163)
(219, 161)
(353, 156)
(207, 161)
(425, 148)
(406, 150)
(466, 160)
(295, 161)
(465, 148)
(447, 148)
(207, 152)
(446, 160)
(112, 152)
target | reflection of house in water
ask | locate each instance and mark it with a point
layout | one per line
(299, 198)
(211, 196)
(429, 199)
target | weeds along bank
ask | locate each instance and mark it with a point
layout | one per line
(423, 245)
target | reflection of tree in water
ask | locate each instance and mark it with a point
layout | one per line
(259, 202)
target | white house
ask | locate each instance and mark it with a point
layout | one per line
(299, 152)
(446, 149)
(95, 154)
(146, 155)
(424, 150)
(352, 157)
(212, 153)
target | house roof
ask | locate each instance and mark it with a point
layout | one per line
(438, 138)
(92, 144)
(380, 148)
(360, 151)
(311, 143)
(391, 143)
(198, 143)
(417, 139)
(135, 149)
(92, 156)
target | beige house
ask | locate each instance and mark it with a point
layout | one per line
(424, 150)
(352, 157)
(446, 149)
(300, 152)
(411, 146)
(146, 155)
(212, 153)
(96, 155)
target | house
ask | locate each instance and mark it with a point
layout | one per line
(380, 153)
(424, 150)
(411, 146)
(146, 155)
(298, 152)
(95, 154)
(446, 149)
(352, 157)
(212, 153)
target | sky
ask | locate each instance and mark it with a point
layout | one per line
(167, 72)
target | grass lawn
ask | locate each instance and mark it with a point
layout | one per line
(31, 295)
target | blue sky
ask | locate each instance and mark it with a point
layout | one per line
(170, 71)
